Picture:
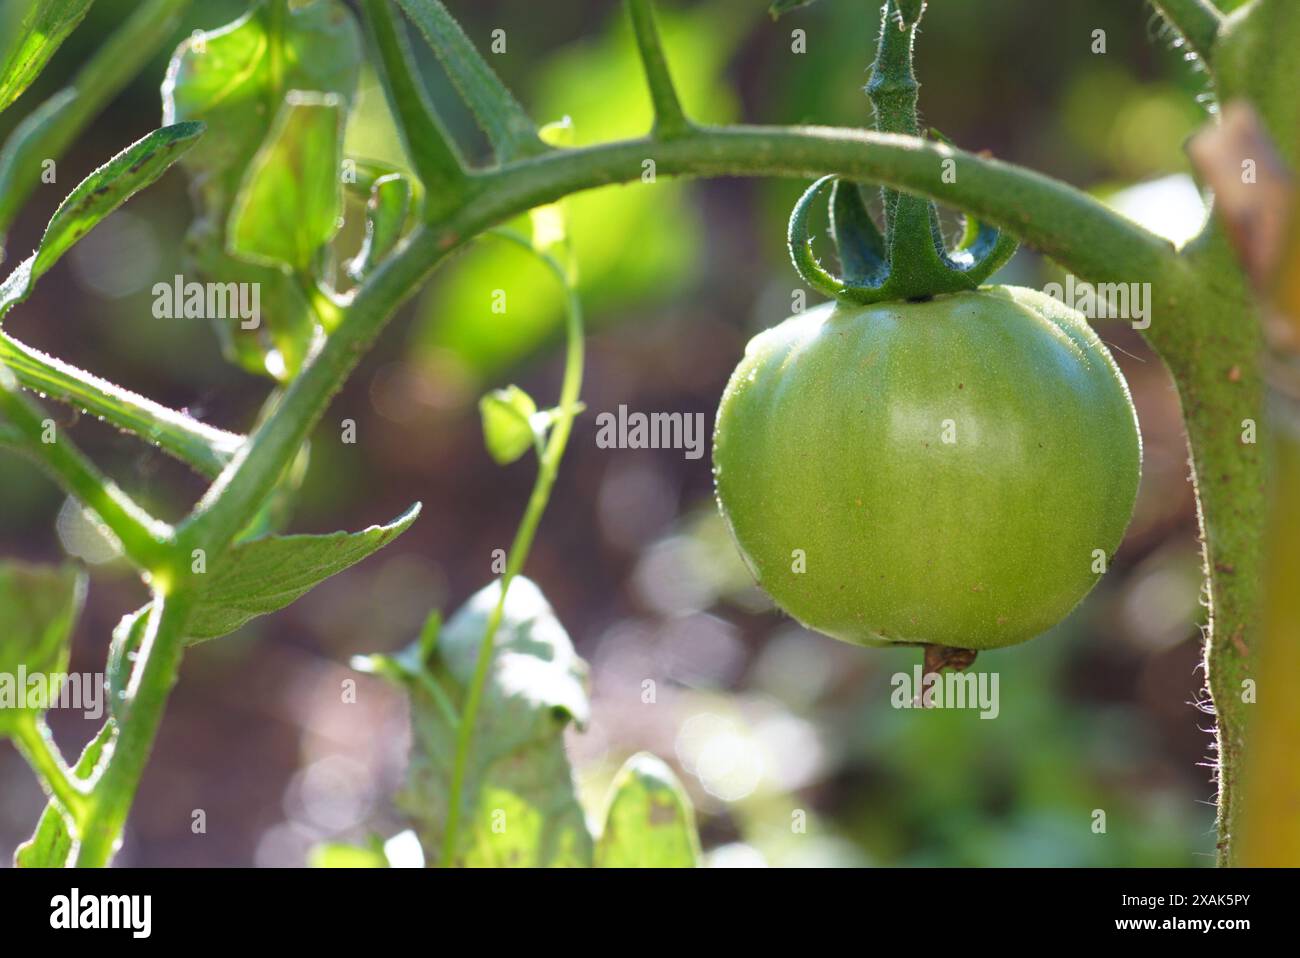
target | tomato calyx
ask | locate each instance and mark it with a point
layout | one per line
(910, 260)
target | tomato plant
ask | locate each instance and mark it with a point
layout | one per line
(254, 113)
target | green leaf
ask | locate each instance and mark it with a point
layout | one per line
(39, 605)
(437, 161)
(256, 578)
(47, 132)
(291, 200)
(342, 855)
(508, 423)
(559, 133)
(386, 214)
(43, 27)
(508, 128)
(51, 843)
(649, 822)
(520, 802)
(94, 198)
(234, 79)
(276, 349)
(28, 145)
(265, 575)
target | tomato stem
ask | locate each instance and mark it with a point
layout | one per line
(939, 657)
(912, 263)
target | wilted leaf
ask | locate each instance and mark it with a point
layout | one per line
(38, 607)
(291, 199)
(520, 803)
(42, 29)
(649, 822)
(94, 198)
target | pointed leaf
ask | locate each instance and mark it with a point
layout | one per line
(47, 131)
(291, 200)
(38, 607)
(95, 197)
(41, 30)
(256, 578)
(508, 128)
(112, 185)
(649, 822)
(265, 575)
(520, 802)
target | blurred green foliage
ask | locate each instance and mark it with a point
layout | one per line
(1085, 723)
(636, 244)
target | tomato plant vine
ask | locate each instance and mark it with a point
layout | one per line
(268, 192)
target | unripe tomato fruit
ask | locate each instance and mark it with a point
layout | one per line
(952, 472)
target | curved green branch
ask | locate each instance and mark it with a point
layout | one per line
(34, 741)
(203, 447)
(144, 539)
(1076, 230)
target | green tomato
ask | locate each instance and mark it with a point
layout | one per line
(952, 472)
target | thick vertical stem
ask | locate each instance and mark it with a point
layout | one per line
(893, 88)
(1214, 357)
